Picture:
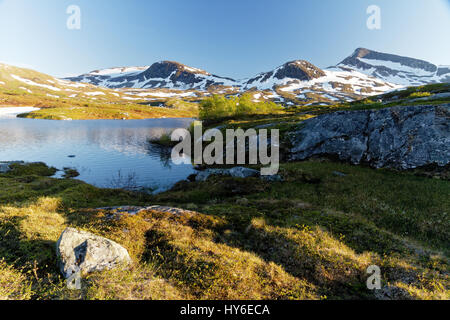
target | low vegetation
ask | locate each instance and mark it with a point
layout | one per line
(218, 107)
(310, 237)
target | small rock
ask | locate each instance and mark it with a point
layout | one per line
(339, 174)
(86, 252)
(241, 172)
(171, 210)
(272, 178)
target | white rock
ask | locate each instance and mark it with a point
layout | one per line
(86, 252)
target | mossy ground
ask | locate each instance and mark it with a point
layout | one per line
(310, 237)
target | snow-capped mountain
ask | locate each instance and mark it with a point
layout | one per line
(299, 70)
(164, 74)
(302, 81)
(363, 73)
(395, 69)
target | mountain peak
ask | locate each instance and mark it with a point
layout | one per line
(361, 52)
(174, 65)
(299, 69)
(389, 68)
(393, 68)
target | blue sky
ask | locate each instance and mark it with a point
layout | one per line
(235, 38)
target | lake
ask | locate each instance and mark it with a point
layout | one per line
(106, 153)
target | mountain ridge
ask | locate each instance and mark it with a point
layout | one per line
(298, 82)
(395, 68)
(390, 68)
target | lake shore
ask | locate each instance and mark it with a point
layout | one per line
(13, 112)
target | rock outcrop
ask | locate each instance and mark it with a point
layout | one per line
(134, 210)
(398, 137)
(86, 252)
(236, 172)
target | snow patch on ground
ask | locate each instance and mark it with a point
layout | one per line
(26, 89)
(164, 94)
(12, 112)
(131, 98)
(96, 93)
(32, 83)
(71, 84)
(117, 71)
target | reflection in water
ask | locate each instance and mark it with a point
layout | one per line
(163, 152)
(102, 148)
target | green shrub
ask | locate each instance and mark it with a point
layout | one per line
(216, 107)
(419, 94)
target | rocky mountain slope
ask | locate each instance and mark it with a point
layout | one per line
(293, 82)
(164, 74)
(300, 81)
(395, 69)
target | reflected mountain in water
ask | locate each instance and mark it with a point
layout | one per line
(102, 148)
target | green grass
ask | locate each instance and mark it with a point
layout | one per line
(218, 107)
(318, 225)
(310, 237)
(164, 140)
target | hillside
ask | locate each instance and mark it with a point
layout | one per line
(65, 100)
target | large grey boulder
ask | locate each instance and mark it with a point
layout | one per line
(398, 137)
(86, 252)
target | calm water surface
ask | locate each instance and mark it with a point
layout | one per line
(108, 153)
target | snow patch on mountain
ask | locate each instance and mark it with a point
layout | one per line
(363, 73)
(395, 69)
(118, 71)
